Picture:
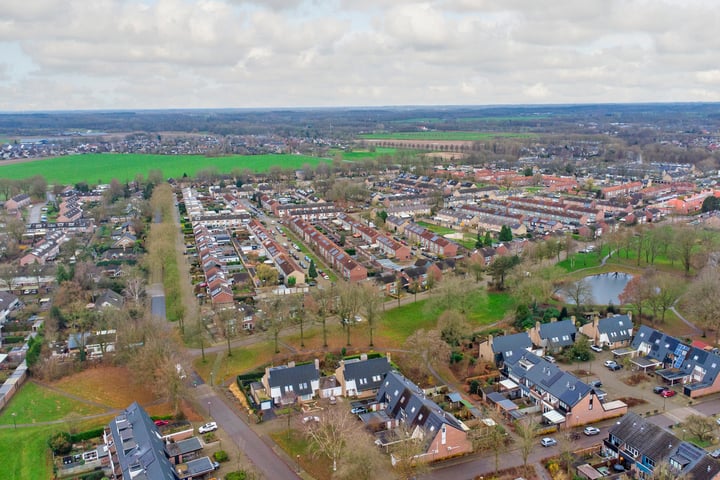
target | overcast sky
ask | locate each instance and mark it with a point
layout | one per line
(134, 54)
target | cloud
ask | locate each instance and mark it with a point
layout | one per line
(243, 53)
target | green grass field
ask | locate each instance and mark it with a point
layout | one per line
(101, 168)
(33, 404)
(357, 155)
(436, 228)
(399, 323)
(447, 136)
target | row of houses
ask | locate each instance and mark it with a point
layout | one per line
(386, 244)
(392, 400)
(212, 261)
(430, 241)
(333, 254)
(307, 211)
(47, 250)
(279, 255)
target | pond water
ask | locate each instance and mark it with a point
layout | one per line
(607, 286)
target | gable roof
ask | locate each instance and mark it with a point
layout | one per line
(368, 374)
(109, 298)
(406, 401)
(548, 377)
(511, 347)
(140, 448)
(561, 334)
(299, 377)
(618, 327)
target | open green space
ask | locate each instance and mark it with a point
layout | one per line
(242, 360)
(436, 228)
(447, 136)
(399, 323)
(25, 452)
(357, 155)
(103, 167)
(34, 403)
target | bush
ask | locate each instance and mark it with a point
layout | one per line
(221, 456)
(87, 435)
(60, 443)
(239, 475)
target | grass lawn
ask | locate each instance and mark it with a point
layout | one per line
(25, 452)
(399, 323)
(103, 167)
(436, 228)
(297, 447)
(243, 359)
(579, 261)
(447, 136)
(357, 155)
(34, 403)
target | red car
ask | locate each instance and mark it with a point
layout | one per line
(161, 423)
(667, 393)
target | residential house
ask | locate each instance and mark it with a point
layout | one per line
(109, 299)
(292, 383)
(564, 399)
(554, 336)
(17, 202)
(504, 349)
(137, 450)
(442, 434)
(362, 377)
(612, 331)
(696, 369)
(127, 240)
(641, 447)
(8, 302)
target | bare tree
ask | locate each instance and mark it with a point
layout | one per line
(454, 292)
(665, 292)
(331, 436)
(276, 317)
(453, 327)
(579, 291)
(699, 426)
(407, 447)
(134, 286)
(426, 348)
(371, 302)
(321, 304)
(363, 461)
(348, 305)
(637, 293)
(525, 430)
(702, 300)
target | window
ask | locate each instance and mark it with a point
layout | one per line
(631, 450)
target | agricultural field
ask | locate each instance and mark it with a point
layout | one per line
(443, 136)
(357, 155)
(101, 168)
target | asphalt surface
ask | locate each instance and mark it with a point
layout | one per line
(260, 454)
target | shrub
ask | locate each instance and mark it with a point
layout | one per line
(221, 456)
(239, 475)
(60, 443)
(86, 435)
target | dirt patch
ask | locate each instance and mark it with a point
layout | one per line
(635, 379)
(632, 401)
(110, 386)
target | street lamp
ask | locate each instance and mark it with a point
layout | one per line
(209, 412)
(211, 378)
(14, 420)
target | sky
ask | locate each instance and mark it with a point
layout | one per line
(148, 54)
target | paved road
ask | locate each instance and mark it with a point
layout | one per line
(35, 212)
(260, 454)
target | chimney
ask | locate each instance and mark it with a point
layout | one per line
(317, 364)
(363, 356)
(553, 320)
(572, 319)
(629, 315)
(537, 326)
(387, 355)
(291, 364)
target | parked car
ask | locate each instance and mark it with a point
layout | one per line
(609, 363)
(715, 453)
(595, 348)
(161, 423)
(549, 358)
(667, 393)
(596, 383)
(659, 389)
(358, 410)
(548, 442)
(208, 427)
(591, 431)
(615, 367)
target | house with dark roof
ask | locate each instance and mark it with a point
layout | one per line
(641, 446)
(554, 336)
(292, 383)
(565, 400)
(696, 369)
(8, 302)
(613, 331)
(442, 434)
(138, 451)
(17, 202)
(362, 377)
(506, 349)
(109, 299)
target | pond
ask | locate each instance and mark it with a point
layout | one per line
(606, 287)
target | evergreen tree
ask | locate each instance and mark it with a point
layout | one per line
(505, 234)
(488, 239)
(312, 272)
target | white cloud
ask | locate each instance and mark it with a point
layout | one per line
(253, 53)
